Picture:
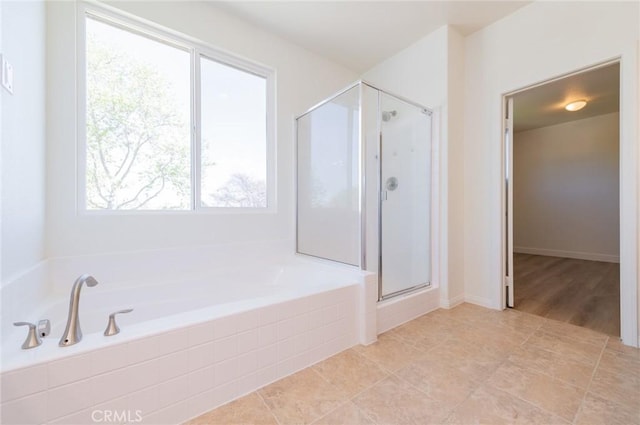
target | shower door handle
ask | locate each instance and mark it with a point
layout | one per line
(391, 183)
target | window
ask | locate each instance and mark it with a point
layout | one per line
(169, 124)
(233, 137)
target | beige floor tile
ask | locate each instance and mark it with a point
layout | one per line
(423, 334)
(463, 313)
(505, 337)
(598, 411)
(418, 326)
(502, 339)
(350, 371)
(425, 344)
(423, 326)
(468, 310)
(443, 384)
(467, 332)
(553, 364)
(432, 317)
(550, 394)
(570, 349)
(477, 362)
(614, 344)
(247, 410)
(488, 405)
(302, 397)
(512, 319)
(393, 401)
(468, 359)
(620, 362)
(442, 314)
(574, 332)
(390, 353)
(347, 414)
(621, 387)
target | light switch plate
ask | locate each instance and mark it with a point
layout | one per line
(7, 75)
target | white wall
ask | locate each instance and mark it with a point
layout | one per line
(566, 189)
(516, 52)
(418, 72)
(23, 137)
(431, 72)
(302, 80)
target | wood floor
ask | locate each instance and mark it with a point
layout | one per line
(580, 292)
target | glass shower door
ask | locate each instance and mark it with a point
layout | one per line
(405, 196)
(328, 180)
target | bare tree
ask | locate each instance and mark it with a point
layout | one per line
(240, 190)
(137, 143)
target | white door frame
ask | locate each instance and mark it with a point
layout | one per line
(507, 204)
(628, 222)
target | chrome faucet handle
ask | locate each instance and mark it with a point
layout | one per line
(112, 327)
(33, 339)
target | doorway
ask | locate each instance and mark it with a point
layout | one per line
(562, 180)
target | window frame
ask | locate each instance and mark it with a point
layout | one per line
(196, 50)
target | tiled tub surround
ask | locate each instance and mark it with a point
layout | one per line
(168, 369)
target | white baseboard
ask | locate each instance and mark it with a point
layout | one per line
(450, 303)
(482, 302)
(567, 254)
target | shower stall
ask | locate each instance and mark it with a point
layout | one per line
(364, 186)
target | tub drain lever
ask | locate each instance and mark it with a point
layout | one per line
(112, 327)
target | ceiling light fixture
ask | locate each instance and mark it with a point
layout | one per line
(576, 105)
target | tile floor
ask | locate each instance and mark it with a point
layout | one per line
(461, 366)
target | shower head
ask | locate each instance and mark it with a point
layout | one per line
(387, 115)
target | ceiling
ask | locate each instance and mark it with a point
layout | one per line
(543, 106)
(360, 34)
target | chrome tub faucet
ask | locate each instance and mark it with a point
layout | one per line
(73, 333)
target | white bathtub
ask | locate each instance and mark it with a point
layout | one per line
(192, 343)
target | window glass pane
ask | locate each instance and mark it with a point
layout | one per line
(234, 145)
(138, 122)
